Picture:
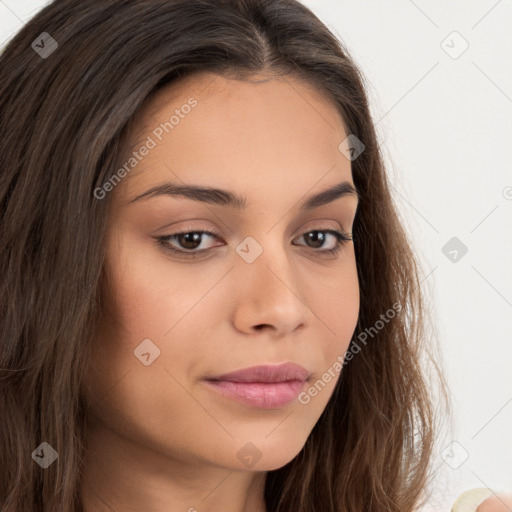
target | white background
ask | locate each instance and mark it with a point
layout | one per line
(446, 128)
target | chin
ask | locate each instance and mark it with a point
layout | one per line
(266, 454)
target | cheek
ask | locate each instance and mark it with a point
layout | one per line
(147, 294)
(338, 307)
(149, 297)
(144, 300)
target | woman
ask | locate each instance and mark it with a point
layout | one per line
(209, 302)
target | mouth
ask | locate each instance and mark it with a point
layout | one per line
(264, 386)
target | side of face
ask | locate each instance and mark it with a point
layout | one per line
(261, 291)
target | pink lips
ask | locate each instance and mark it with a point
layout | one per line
(266, 386)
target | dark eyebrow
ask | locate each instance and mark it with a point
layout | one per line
(226, 198)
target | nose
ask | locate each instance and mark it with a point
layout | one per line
(270, 295)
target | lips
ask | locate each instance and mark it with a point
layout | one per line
(266, 373)
(265, 386)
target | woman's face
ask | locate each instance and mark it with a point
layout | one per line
(264, 290)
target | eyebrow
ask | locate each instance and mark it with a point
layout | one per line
(229, 199)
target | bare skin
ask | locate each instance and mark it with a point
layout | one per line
(159, 440)
(498, 503)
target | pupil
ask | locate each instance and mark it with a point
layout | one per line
(187, 236)
(315, 237)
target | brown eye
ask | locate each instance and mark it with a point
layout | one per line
(316, 240)
(189, 240)
(187, 243)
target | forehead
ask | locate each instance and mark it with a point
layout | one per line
(274, 134)
(287, 95)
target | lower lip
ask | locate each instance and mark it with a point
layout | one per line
(265, 395)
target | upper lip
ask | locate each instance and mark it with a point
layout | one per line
(266, 373)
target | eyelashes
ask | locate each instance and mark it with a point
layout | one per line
(194, 238)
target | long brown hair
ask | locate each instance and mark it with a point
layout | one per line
(63, 120)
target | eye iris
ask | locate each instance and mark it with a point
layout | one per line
(185, 239)
(316, 238)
